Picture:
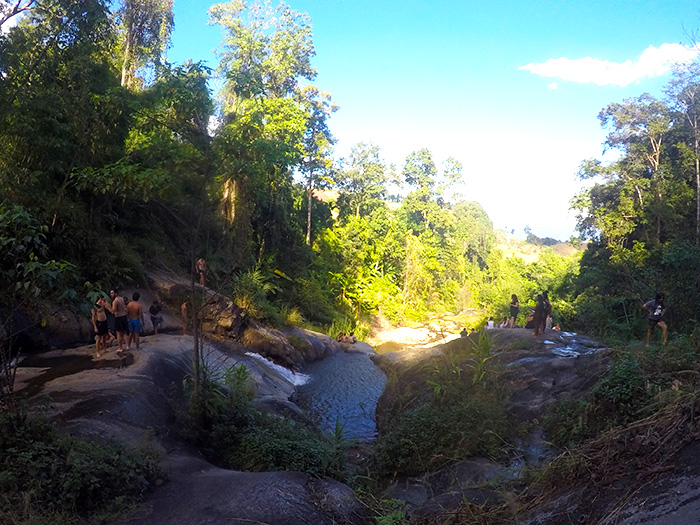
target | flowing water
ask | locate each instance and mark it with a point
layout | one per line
(344, 387)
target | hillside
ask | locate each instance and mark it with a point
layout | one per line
(512, 246)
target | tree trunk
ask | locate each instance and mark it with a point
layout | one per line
(126, 65)
(697, 184)
(310, 192)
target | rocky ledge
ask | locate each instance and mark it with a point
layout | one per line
(131, 398)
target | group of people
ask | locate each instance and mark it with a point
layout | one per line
(343, 338)
(121, 320)
(540, 317)
(542, 314)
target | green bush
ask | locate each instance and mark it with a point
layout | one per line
(313, 301)
(50, 473)
(233, 434)
(630, 390)
(461, 414)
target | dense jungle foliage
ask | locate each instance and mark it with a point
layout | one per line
(118, 162)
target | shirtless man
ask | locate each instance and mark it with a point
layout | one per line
(121, 325)
(99, 323)
(136, 322)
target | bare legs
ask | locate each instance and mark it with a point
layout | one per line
(664, 331)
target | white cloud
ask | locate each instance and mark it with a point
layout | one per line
(653, 62)
(553, 85)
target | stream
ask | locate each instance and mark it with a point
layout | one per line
(344, 387)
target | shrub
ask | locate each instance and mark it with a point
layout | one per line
(460, 414)
(632, 388)
(233, 434)
(51, 473)
(313, 301)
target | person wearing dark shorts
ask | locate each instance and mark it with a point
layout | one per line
(656, 308)
(99, 323)
(514, 310)
(121, 325)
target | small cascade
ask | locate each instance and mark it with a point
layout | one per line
(292, 377)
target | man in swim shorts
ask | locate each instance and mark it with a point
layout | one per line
(136, 322)
(121, 325)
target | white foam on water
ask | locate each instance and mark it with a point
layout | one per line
(565, 352)
(547, 342)
(568, 334)
(293, 378)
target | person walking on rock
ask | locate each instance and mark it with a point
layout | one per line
(547, 311)
(656, 309)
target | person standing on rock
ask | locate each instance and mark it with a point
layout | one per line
(538, 318)
(156, 317)
(547, 311)
(99, 323)
(656, 308)
(136, 322)
(514, 310)
(121, 325)
(201, 270)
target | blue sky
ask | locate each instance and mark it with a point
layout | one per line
(511, 89)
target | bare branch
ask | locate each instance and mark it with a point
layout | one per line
(8, 10)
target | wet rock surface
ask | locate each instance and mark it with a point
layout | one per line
(536, 372)
(133, 398)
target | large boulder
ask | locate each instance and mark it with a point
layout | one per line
(272, 345)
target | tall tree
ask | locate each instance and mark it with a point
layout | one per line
(264, 54)
(363, 176)
(318, 143)
(265, 50)
(638, 128)
(147, 26)
(684, 94)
